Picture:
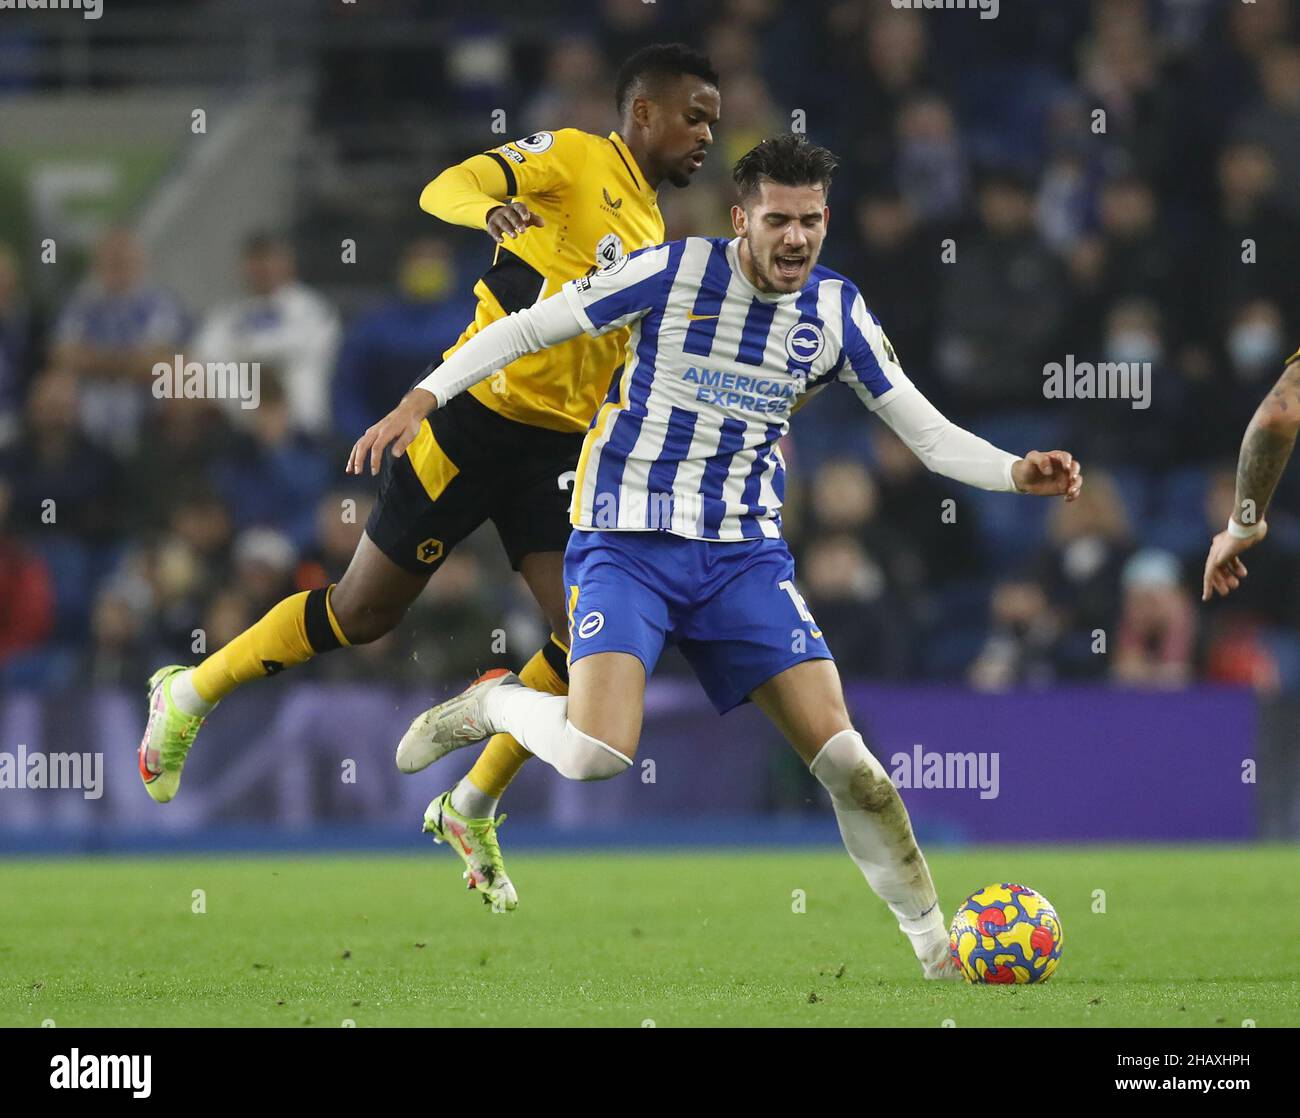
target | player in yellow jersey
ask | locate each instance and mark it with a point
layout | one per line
(559, 205)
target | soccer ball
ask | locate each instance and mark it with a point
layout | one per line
(1006, 934)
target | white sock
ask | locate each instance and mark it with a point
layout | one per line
(540, 723)
(535, 719)
(878, 836)
(472, 802)
(185, 697)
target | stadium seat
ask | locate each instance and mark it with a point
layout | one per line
(949, 652)
(1137, 489)
(1010, 529)
(1178, 522)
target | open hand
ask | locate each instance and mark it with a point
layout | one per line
(398, 428)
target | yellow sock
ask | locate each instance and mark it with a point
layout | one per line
(291, 632)
(503, 757)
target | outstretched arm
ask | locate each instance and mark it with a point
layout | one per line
(870, 367)
(543, 324)
(595, 304)
(1265, 450)
(954, 452)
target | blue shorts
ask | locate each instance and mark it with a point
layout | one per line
(731, 607)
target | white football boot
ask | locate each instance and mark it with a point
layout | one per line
(451, 725)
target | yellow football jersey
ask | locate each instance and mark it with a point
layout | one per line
(596, 206)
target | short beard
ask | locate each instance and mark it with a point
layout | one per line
(764, 283)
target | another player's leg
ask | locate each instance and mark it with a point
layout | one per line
(606, 697)
(367, 602)
(806, 702)
(590, 734)
(479, 790)
(428, 502)
(465, 818)
(617, 606)
(530, 511)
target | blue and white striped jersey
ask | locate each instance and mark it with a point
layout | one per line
(686, 440)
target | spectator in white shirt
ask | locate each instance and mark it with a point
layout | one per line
(282, 324)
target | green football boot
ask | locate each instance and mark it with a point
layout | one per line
(167, 737)
(475, 840)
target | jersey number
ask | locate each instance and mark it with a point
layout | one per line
(800, 606)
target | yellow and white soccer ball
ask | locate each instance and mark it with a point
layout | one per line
(1006, 934)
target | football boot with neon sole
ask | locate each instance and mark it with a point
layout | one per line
(168, 736)
(475, 840)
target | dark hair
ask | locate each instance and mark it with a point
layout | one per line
(652, 64)
(789, 160)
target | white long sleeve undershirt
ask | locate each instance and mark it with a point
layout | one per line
(944, 447)
(507, 339)
(940, 444)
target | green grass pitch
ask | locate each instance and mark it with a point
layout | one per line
(1189, 937)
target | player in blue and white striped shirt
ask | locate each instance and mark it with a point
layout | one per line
(687, 441)
(677, 502)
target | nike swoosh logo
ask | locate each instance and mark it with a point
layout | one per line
(691, 316)
(458, 833)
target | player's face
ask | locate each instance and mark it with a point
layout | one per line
(680, 127)
(782, 229)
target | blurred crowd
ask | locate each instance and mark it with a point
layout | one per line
(1107, 181)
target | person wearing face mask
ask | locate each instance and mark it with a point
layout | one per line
(385, 344)
(1255, 340)
(1133, 335)
(1134, 345)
